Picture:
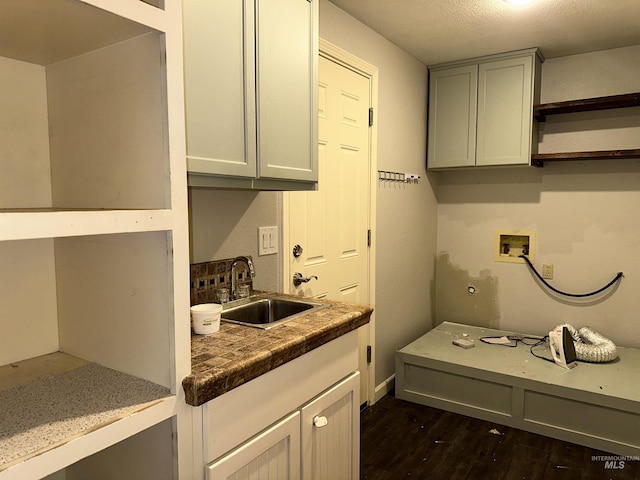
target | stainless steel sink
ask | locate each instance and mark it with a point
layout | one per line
(264, 311)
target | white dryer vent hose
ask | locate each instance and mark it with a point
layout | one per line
(591, 346)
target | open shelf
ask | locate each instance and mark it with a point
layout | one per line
(538, 159)
(83, 106)
(102, 298)
(49, 31)
(541, 111)
(50, 401)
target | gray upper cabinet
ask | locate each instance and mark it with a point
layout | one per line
(251, 93)
(481, 111)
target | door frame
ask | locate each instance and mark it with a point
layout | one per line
(350, 61)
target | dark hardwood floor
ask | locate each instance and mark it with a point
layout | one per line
(401, 440)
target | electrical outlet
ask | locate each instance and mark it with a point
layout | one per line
(547, 271)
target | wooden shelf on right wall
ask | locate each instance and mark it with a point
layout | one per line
(541, 111)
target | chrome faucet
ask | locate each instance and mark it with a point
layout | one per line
(252, 272)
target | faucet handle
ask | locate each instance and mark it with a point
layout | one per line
(298, 279)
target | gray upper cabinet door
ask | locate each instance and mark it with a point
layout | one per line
(452, 117)
(219, 87)
(287, 84)
(251, 93)
(505, 112)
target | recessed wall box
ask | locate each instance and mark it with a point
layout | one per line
(510, 244)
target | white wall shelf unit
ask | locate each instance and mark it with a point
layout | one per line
(93, 238)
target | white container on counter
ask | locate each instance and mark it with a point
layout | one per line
(206, 318)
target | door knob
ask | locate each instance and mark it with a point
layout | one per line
(320, 421)
(297, 251)
(298, 279)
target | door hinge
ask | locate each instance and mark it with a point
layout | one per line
(371, 117)
(369, 238)
(368, 353)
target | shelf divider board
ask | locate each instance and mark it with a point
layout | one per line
(141, 12)
(53, 223)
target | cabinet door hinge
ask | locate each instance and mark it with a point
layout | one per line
(369, 238)
(368, 353)
(371, 117)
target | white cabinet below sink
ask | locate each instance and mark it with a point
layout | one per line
(294, 422)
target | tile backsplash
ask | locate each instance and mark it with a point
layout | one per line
(208, 277)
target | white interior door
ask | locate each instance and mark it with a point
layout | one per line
(331, 224)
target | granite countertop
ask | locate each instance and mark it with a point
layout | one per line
(237, 354)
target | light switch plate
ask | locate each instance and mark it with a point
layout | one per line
(267, 240)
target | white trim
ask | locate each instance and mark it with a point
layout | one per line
(385, 387)
(343, 57)
(350, 61)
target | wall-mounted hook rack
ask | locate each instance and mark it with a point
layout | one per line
(397, 177)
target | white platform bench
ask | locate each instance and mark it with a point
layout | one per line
(596, 405)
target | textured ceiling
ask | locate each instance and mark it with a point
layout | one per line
(436, 31)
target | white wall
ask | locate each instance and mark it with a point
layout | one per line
(224, 224)
(585, 215)
(27, 268)
(406, 216)
(24, 134)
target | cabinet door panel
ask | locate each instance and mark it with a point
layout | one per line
(331, 433)
(505, 112)
(287, 58)
(452, 117)
(272, 455)
(219, 87)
